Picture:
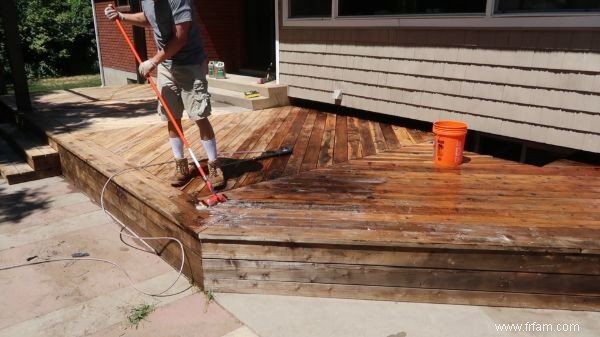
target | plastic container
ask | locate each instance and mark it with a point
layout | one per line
(219, 69)
(449, 143)
(211, 69)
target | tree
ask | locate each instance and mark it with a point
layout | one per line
(4, 68)
(57, 37)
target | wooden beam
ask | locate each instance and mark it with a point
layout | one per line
(3, 89)
(15, 54)
(139, 38)
(380, 293)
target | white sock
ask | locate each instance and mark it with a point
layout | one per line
(210, 146)
(177, 147)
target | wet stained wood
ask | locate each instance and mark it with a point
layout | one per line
(366, 138)
(378, 138)
(277, 167)
(274, 142)
(390, 136)
(354, 141)
(294, 163)
(327, 142)
(340, 152)
(263, 142)
(314, 143)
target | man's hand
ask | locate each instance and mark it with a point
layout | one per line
(146, 67)
(112, 14)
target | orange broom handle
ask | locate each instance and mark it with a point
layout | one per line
(153, 85)
(167, 109)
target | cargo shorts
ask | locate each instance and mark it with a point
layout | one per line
(184, 87)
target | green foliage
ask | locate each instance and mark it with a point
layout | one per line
(210, 297)
(139, 312)
(57, 37)
(4, 64)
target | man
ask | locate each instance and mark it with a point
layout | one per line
(181, 75)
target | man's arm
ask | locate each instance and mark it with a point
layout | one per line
(177, 42)
(136, 19)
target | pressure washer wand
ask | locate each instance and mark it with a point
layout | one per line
(214, 198)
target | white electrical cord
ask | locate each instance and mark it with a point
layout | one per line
(143, 238)
(133, 236)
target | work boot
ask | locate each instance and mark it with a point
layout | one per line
(215, 174)
(182, 173)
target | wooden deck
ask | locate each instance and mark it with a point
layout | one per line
(358, 210)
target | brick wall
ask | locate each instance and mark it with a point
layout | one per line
(221, 26)
(221, 23)
(114, 50)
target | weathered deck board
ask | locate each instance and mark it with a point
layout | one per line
(446, 208)
(358, 210)
(295, 161)
(394, 222)
(403, 257)
(373, 275)
(405, 294)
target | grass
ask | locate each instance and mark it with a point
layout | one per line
(210, 297)
(62, 83)
(139, 312)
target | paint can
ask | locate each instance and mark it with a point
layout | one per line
(219, 69)
(211, 68)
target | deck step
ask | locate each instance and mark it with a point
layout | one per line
(237, 98)
(230, 90)
(24, 157)
(15, 170)
(36, 152)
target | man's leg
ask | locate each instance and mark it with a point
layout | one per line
(207, 136)
(171, 94)
(209, 142)
(196, 100)
(175, 140)
(182, 170)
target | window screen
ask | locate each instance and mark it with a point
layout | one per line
(310, 8)
(398, 7)
(516, 6)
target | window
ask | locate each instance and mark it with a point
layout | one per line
(529, 6)
(120, 3)
(442, 13)
(399, 7)
(310, 8)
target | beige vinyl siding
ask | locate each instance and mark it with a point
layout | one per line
(542, 86)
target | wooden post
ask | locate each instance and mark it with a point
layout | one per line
(139, 38)
(3, 90)
(15, 54)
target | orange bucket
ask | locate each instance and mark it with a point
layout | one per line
(449, 143)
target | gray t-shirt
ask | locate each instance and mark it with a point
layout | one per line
(163, 15)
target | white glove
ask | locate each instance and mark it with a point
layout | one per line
(112, 14)
(146, 67)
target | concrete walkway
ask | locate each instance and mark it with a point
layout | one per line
(286, 316)
(48, 219)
